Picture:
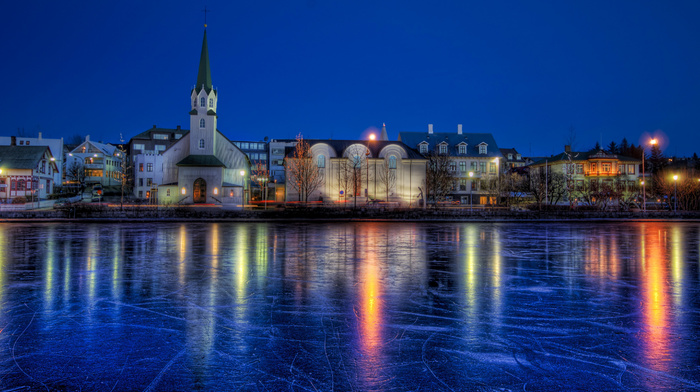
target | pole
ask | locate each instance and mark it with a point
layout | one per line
(644, 186)
(675, 196)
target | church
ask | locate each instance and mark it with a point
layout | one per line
(203, 166)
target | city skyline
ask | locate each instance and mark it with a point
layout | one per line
(527, 73)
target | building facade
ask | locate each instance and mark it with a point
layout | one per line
(589, 177)
(359, 172)
(475, 161)
(55, 145)
(100, 164)
(26, 171)
(146, 159)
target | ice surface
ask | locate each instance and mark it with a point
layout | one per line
(349, 306)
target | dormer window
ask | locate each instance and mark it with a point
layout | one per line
(202, 123)
(423, 148)
(443, 149)
(211, 102)
(510, 157)
(201, 144)
(518, 157)
(203, 102)
(482, 148)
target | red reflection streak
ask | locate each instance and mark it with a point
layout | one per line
(656, 300)
(370, 306)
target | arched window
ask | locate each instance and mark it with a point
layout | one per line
(211, 102)
(194, 103)
(203, 102)
(392, 162)
(201, 144)
(321, 161)
(201, 123)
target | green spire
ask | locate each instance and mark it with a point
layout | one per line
(204, 75)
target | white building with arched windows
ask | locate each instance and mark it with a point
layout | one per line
(359, 172)
(203, 166)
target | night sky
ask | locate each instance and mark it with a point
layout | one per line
(526, 71)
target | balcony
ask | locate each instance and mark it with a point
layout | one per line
(600, 174)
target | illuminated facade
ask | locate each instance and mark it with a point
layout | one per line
(203, 166)
(355, 171)
(101, 162)
(26, 171)
(470, 153)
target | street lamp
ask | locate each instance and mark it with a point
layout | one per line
(644, 175)
(675, 193)
(471, 186)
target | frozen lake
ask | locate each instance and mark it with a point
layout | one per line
(349, 306)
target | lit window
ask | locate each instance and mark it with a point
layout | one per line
(202, 123)
(482, 148)
(492, 167)
(482, 165)
(184, 191)
(201, 143)
(462, 148)
(321, 161)
(630, 169)
(140, 167)
(149, 167)
(392, 162)
(203, 102)
(463, 166)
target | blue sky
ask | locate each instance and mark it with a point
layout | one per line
(526, 71)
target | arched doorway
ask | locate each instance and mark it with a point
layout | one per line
(200, 191)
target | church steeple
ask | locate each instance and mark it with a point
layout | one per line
(204, 74)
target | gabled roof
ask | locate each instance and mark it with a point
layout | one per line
(147, 135)
(95, 147)
(583, 156)
(22, 157)
(201, 160)
(413, 139)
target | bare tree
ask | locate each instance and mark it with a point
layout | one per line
(387, 178)
(344, 177)
(75, 173)
(260, 175)
(439, 179)
(302, 172)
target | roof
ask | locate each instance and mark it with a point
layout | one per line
(472, 140)
(584, 156)
(375, 146)
(21, 157)
(204, 74)
(147, 134)
(96, 147)
(201, 160)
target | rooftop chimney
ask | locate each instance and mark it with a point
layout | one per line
(87, 138)
(430, 129)
(459, 129)
(154, 126)
(567, 148)
(178, 127)
(39, 135)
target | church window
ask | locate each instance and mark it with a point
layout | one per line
(392, 162)
(201, 144)
(203, 102)
(167, 192)
(321, 161)
(211, 102)
(201, 123)
(194, 103)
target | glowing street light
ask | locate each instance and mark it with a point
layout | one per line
(675, 193)
(644, 174)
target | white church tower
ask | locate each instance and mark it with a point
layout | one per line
(203, 114)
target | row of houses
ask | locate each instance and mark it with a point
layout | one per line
(200, 165)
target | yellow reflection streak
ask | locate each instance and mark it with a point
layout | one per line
(117, 248)
(91, 267)
(655, 303)
(496, 274)
(182, 255)
(50, 270)
(370, 306)
(470, 289)
(677, 243)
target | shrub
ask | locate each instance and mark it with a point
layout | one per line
(19, 200)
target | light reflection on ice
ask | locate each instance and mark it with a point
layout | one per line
(363, 306)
